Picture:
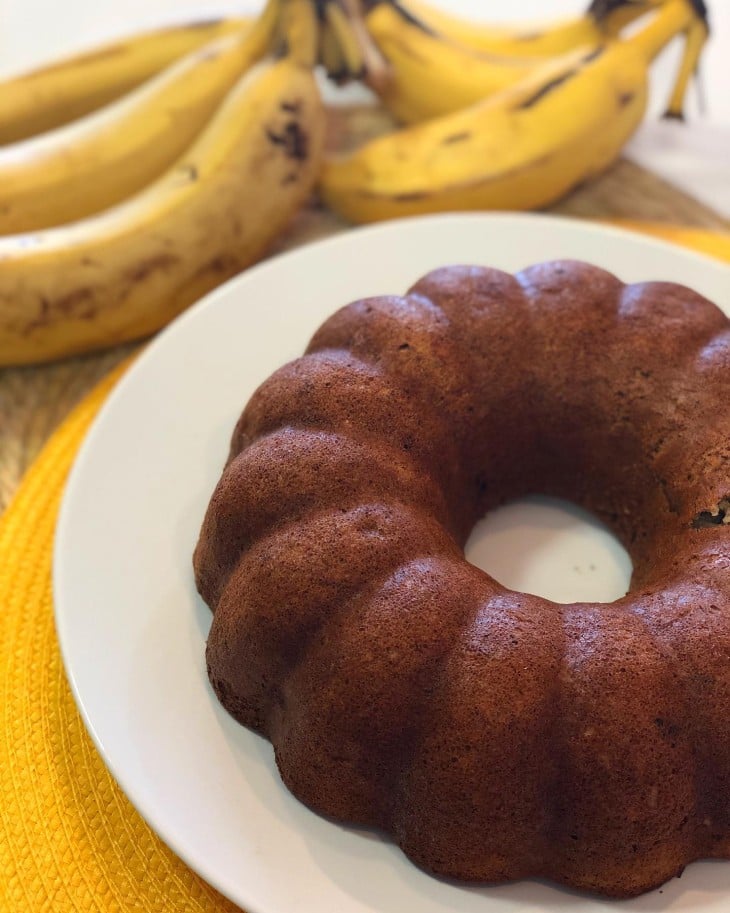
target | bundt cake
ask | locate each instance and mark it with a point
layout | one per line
(495, 735)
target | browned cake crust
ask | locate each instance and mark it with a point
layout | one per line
(495, 735)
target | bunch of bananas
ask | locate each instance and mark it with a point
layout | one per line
(115, 222)
(137, 178)
(503, 120)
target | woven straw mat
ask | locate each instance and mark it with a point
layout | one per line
(69, 839)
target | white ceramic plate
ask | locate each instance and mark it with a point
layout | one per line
(132, 628)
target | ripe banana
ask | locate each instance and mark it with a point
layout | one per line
(98, 161)
(543, 39)
(430, 75)
(434, 73)
(502, 155)
(43, 99)
(123, 274)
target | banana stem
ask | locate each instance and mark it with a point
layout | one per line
(302, 28)
(350, 46)
(696, 37)
(264, 26)
(377, 71)
(673, 18)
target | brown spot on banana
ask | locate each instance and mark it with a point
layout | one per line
(78, 303)
(75, 303)
(293, 139)
(410, 197)
(456, 138)
(153, 265)
(221, 265)
(40, 320)
(82, 303)
(291, 107)
(545, 90)
(625, 99)
(558, 81)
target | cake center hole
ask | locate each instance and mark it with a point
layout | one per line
(551, 548)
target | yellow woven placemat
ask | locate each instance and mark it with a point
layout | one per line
(69, 839)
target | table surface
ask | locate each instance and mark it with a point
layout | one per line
(34, 400)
